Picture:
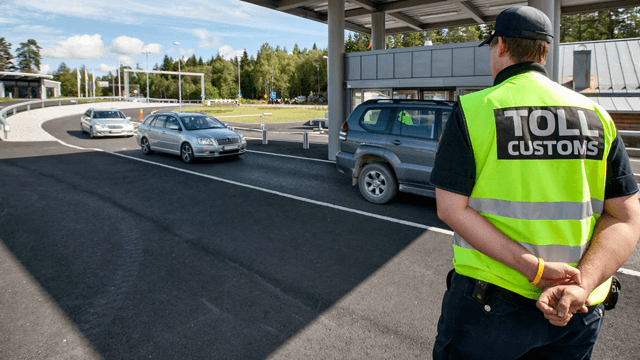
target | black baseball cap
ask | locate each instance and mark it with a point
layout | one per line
(524, 22)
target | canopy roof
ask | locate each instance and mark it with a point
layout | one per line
(402, 16)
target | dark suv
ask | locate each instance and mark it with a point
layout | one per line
(390, 145)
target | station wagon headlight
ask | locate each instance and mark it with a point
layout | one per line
(101, 126)
(242, 140)
(207, 141)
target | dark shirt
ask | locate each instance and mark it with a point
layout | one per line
(455, 170)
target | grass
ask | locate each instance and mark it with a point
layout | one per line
(278, 114)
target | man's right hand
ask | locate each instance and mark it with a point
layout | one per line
(558, 273)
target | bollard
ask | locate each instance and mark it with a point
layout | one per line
(28, 107)
(140, 114)
(59, 102)
(305, 140)
(265, 141)
(43, 104)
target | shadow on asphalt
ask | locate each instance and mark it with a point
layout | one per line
(151, 263)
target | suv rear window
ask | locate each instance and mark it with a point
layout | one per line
(375, 120)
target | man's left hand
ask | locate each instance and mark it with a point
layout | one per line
(559, 303)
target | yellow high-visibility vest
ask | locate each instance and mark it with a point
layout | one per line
(540, 153)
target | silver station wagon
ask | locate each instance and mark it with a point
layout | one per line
(190, 135)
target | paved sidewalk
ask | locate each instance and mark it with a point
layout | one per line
(26, 126)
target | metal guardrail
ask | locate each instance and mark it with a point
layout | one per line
(27, 106)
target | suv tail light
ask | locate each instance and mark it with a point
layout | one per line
(344, 131)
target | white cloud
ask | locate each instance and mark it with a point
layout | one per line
(152, 48)
(126, 45)
(77, 47)
(125, 60)
(107, 68)
(208, 40)
(4, 20)
(228, 53)
(44, 69)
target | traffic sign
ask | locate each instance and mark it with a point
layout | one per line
(239, 96)
(273, 94)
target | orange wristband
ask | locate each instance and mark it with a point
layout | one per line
(536, 280)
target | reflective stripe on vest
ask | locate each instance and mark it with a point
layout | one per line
(539, 210)
(540, 152)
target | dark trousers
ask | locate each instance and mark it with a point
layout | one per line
(499, 329)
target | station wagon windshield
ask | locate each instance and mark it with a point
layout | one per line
(200, 122)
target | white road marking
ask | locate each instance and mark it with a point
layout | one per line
(290, 156)
(299, 198)
(629, 272)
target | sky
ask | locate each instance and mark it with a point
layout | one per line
(99, 33)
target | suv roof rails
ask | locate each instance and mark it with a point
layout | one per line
(409, 101)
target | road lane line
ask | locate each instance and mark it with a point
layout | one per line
(299, 198)
(290, 156)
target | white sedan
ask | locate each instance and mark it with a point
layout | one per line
(106, 122)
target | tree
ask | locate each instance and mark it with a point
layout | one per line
(29, 56)
(357, 42)
(6, 63)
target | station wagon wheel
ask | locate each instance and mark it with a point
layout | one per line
(82, 128)
(146, 148)
(91, 134)
(377, 183)
(186, 153)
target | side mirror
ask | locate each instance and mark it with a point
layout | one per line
(174, 127)
(128, 117)
(226, 124)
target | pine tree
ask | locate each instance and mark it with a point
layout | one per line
(29, 56)
(5, 56)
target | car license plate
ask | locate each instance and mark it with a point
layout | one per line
(115, 131)
(229, 147)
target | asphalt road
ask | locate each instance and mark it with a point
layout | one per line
(272, 255)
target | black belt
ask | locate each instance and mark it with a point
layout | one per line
(503, 294)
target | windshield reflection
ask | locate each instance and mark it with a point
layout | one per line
(200, 122)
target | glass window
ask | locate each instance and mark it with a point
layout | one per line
(356, 98)
(445, 117)
(149, 120)
(435, 95)
(417, 122)
(405, 94)
(172, 121)
(376, 94)
(161, 120)
(199, 122)
(373, 121)
(108, 114)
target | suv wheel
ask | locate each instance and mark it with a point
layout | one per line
(377, 183)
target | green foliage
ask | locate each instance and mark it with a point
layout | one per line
(29, 56)
(603, 25)
(5, 56)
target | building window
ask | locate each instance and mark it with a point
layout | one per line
(356, 98)
(376, 94)
(405, 94)
(435, 95)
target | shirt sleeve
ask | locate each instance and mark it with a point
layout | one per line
(454, 168)
(620, 178)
